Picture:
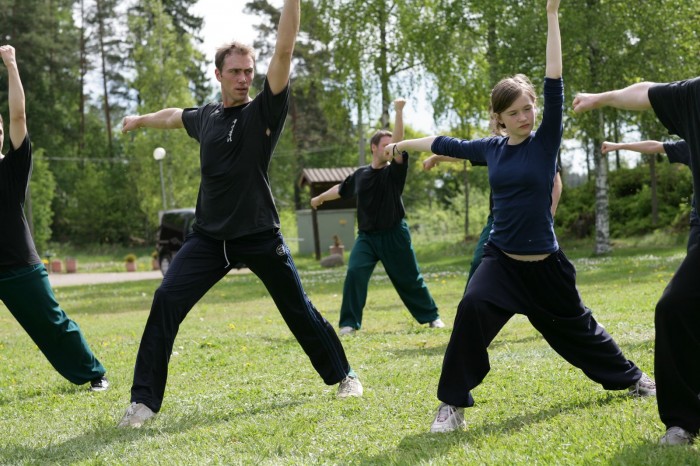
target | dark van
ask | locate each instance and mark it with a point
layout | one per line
(174, 226)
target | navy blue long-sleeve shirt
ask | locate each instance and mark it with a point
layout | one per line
(521, 178)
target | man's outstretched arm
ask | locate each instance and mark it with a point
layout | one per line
(634, 97)
(168, 118)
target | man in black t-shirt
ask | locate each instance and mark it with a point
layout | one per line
(382, 234)
(235, 220)
(24, 282)
(677, 316)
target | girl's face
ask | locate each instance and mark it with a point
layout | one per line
(519, 118)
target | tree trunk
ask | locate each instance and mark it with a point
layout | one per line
(465, 177)
(602, 218)
(654, 193)
(108, 117)
(83, 72)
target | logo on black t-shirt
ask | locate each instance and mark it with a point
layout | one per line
(230, 132)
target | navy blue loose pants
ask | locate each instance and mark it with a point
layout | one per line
(545, 292)
(198, 266)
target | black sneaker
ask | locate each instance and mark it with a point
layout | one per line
(99, 384)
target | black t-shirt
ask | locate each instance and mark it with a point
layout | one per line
(677, 106)
(378, 191)
(16, 245)
(679, 152)
(236, 145)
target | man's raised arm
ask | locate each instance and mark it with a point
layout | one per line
(15, 95)
(287, 30)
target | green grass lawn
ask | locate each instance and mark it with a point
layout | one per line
(241, 391)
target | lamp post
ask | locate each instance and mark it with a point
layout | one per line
(159, 155)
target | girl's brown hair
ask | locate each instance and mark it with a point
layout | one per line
(504, 94)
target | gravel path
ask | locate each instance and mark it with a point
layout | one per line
(72, 279)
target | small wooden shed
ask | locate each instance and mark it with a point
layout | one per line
(333, 218)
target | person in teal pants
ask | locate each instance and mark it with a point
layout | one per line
(24, 283)
(382, 233)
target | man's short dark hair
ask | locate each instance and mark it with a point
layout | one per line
(232, 47)
(374, 141)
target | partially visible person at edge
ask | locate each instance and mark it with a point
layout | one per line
(382, 233)
(523, 269)
(235, 220)
(24, 282)
(677, 152)
(434, 159)
(677, 315)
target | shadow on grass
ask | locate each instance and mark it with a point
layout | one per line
(651, 453)
(427, 447)
(105, 434)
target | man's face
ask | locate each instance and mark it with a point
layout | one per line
(236, 76)
(378, 151)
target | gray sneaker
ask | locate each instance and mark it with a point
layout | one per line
(349, 386)
(346, 331)
(643, 387)
(136, 414)
(448, 418)
(676, 436)
(437, 323)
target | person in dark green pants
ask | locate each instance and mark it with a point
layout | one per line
(24, 283)
(382, 233)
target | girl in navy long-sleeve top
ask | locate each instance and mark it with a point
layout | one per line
(523, 269)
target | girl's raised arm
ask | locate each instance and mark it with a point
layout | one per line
(554, 64)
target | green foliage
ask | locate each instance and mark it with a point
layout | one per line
(162, 81)
(630, 202)
(41, 188)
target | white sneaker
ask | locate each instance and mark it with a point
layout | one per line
(136, 414)
(349, 386)
(346, 331)
(437, 323)
(645, 386)
(448, 418)
(676, 436)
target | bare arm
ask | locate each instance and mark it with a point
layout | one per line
(645, 147)
(556, 193)
(329, 195)
(15, 96)
(418, 145)
(397, 134)
(168, 118)
(554, 63)
(634, 97)
(434, 159)
(287, 30)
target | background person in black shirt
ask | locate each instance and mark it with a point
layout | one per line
(382, 233)
(235, 220)
(24, 282)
